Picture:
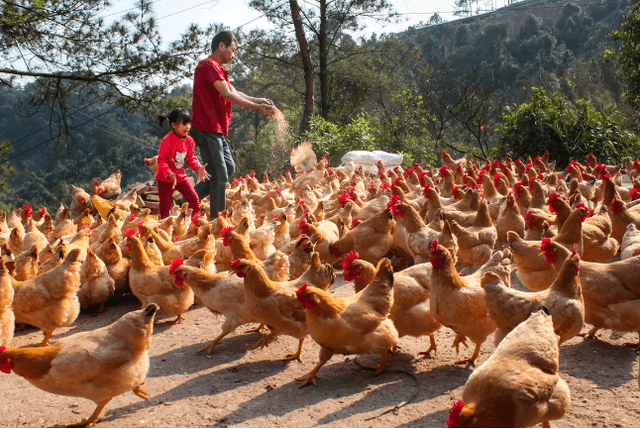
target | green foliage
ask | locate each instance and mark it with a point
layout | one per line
(627, 56)
(569, 130)
(404, 127)
(6, 172)
(333, 141)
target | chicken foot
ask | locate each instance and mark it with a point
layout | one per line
(433, 346)
(591, 335)
(471, 360)
(175, 321)
(258, 329)
(457, 340)
(264, 341)
(226, 330)
(297, 355)
(139, 391)
(312, 378)
(90, 421)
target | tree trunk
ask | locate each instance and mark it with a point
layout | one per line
(306, 64)
(324, 78)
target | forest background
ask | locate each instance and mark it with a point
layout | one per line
(535, 75)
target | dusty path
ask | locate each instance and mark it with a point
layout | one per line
(236, 386)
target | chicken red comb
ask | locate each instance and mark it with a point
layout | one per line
(195, 218)
(575, 249)
(5, 364)
(132, 217)
(302, 289)
(634, 194)
(227, 229)
(616, 205)
(397, 210)
(443, 153)
(129, 232)
(455, 414)
(175, 264)
(355, 222)
(351, 256)
(235, 264)
(548, 250)
(589, 211)
(434, 245)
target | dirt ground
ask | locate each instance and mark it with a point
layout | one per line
(239, 387)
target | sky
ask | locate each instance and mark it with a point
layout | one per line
(175, 16)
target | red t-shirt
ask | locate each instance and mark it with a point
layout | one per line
(174, 153)
(211, 112)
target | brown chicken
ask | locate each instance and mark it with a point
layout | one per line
(411, 234)
(109, 188)
(97, 365)
(49, 300)
(224, 293)
(509, 219)
(276, 266)
(476, 242)
(96, 285)
(457, 304)
(275, 306)
(7, 318)
(80, 199)
(155, 284)
(611, 291)
(621, 216)
(519, 385)
(410, 312)
(358, 324)
(372, 239)
(509, 307)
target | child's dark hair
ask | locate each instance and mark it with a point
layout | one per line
(225, 37)
(177, 115)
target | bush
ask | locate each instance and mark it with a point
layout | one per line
(569, 130)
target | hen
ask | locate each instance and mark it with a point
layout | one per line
(96, 286)
(519, 385)
(274, 305)
(410, 312)
(97, 365)
(49, 300)
(154, 284)
(109, 188)
(457, 304)
(372, 239)
(355, 325)
(509, 307)
(611, 291)
(7, 318)
(477, 241)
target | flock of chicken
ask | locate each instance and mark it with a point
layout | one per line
(399, 236)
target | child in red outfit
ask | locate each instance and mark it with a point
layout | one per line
(176, 149)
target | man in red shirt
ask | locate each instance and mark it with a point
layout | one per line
(213, 96)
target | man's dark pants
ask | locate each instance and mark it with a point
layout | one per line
(215, 152)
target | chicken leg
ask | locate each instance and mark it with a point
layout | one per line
(433, 346)
(312, 378)
(471, 360)
(92, 419)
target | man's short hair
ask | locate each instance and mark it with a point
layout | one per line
(225, 37)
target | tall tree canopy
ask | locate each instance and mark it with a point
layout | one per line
(628, 55)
